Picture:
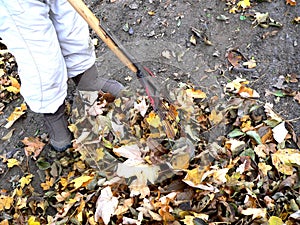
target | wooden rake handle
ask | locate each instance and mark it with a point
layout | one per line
(94, 23)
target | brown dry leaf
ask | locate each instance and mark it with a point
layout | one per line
(291, 2)
(285, 159)
(33, 146)
(4, 222)
(246, 92)
(235, 58)
(255, 212)
(297, 97)
(16, 114)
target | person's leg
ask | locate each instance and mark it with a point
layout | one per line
(30, 36)
(78, 50)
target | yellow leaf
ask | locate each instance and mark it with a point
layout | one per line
(233, 9)
(4, 222)
(215, 117)
(99, 154)
(244, 4)
(285, 159)
(13, 89)
(48, 184)
(264, 168)
(31, 221)
(274, 220)
(12, 163)
(82, 180)
(153, 120)
(25, 180)
(151, 13)
(5, 202)
(16, 114)
(195, 93)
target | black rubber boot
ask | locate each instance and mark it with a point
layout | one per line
(57, 126)
(90, 81)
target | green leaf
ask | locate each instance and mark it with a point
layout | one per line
(279, 93)
(271, 123)
(255, 136)
(42, 165)
(107, 143)
(236, 133)
(249, 152)
(243, 17)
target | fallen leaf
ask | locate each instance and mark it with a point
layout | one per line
(297, 97)
(12, 162)
(244, 4)
(255, 212)
(5, 202)
(264, 168)
(250, 64)
(15, 115)
(291, 2)
(153, 120)
(280, 132)
(274, 220)
(215, 117)
(8, 135)
(106, 205)
(81, 181)
(33, 146)
(25, 180)
(285, 159)
(141, 107)
(31, 221)
(195, 93)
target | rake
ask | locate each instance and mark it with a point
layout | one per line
(144, 75)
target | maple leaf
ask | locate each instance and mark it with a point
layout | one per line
(106, 205)
(5, 202)
(15, 115)
(12, 163)
(141, 107)
(244, 4)
(215, 117)
(153, 120)
(47, 184)
(33, 146)
(25, 180)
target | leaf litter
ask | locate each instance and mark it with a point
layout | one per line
(124, 169)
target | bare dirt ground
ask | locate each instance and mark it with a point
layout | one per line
(158, 34)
